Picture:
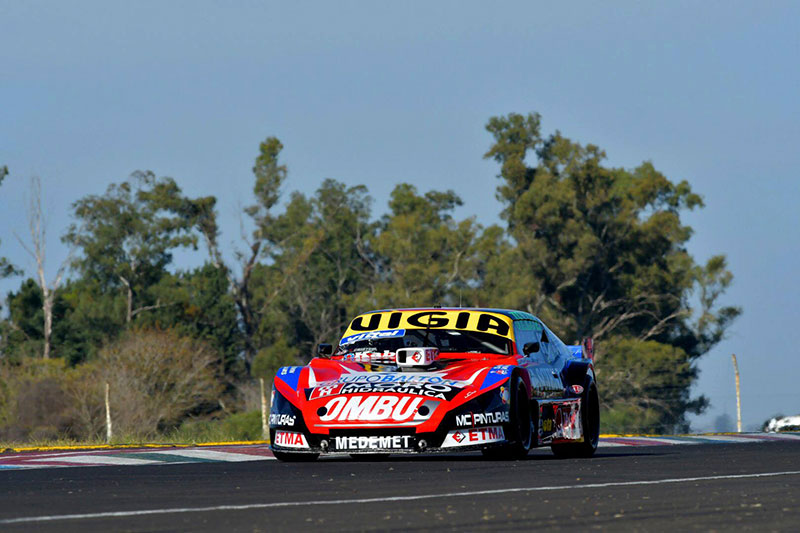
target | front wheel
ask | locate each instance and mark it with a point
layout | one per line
(520, 425)
(590, 421)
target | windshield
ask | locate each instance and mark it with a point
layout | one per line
(444, 339)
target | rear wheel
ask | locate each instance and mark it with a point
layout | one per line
(520, 426)
(290, 457)
(590, 421)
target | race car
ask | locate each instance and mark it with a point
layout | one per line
(438, 380)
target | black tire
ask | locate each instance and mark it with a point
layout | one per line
(590, 419)
(520, 426)
(290, 457)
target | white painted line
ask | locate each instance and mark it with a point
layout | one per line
(213, 455)
(146, 512)
(100, 460)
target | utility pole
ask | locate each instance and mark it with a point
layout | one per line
(738, 395)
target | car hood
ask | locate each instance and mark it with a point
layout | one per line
(333, 394)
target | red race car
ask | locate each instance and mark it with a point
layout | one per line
(438, 380)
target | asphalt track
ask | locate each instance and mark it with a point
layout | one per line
(647, 488)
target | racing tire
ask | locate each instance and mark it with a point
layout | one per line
(590, 420)
(520, 426)
(289, 457)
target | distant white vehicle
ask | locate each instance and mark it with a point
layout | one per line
(787, 423)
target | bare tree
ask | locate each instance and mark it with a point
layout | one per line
(37, 227)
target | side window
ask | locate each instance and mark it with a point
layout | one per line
(549, 350)
(555, 349)
(526, 331)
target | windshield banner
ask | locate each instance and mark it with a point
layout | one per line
(458, 319)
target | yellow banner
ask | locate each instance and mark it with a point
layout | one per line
(459, 319)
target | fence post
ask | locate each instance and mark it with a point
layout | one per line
(108, 415)
(264, 428)
(738, 395)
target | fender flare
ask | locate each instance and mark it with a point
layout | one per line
(576, 372)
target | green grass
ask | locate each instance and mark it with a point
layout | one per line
(234, 428)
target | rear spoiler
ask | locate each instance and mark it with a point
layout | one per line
(583, 350)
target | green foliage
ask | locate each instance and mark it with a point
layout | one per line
(46, 400)
(270, 359)
(593, 250)
(319, 264)
(648, 384)
(604, 255)
(424, 255)
(127, 235)
(270, 175)
(157, 379)
(236, 427)
(6, 268)
(84, 318)
(202, 307)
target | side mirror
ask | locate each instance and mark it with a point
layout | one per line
(324, 350)
(530, 347)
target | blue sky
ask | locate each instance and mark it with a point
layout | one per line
(383, 92)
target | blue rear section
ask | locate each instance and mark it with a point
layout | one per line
(577, 351)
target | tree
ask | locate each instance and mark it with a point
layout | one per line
(269, 176)
(157, 378)
(319, 260)
(126, 236)
(203, 308)
(423, 255)
(605, 257)
(6, 268)
(37, 228)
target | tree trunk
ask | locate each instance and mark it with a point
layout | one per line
(47, 308)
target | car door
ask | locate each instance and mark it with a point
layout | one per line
(539, 364)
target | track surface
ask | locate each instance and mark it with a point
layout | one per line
(629, 488)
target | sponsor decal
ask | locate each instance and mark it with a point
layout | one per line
(481, 419)
(290, 439)
(560, 421)
(392, 409)
(473, 436)
(570, 421)
(577, 389)
(373, 442)
(281, 420)
(487, 322)
(290, 375)
(377, 383)
(497, 374)
(394, 377)
(432, 386)
(370, 335)
(385, 356)
(325, 390)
